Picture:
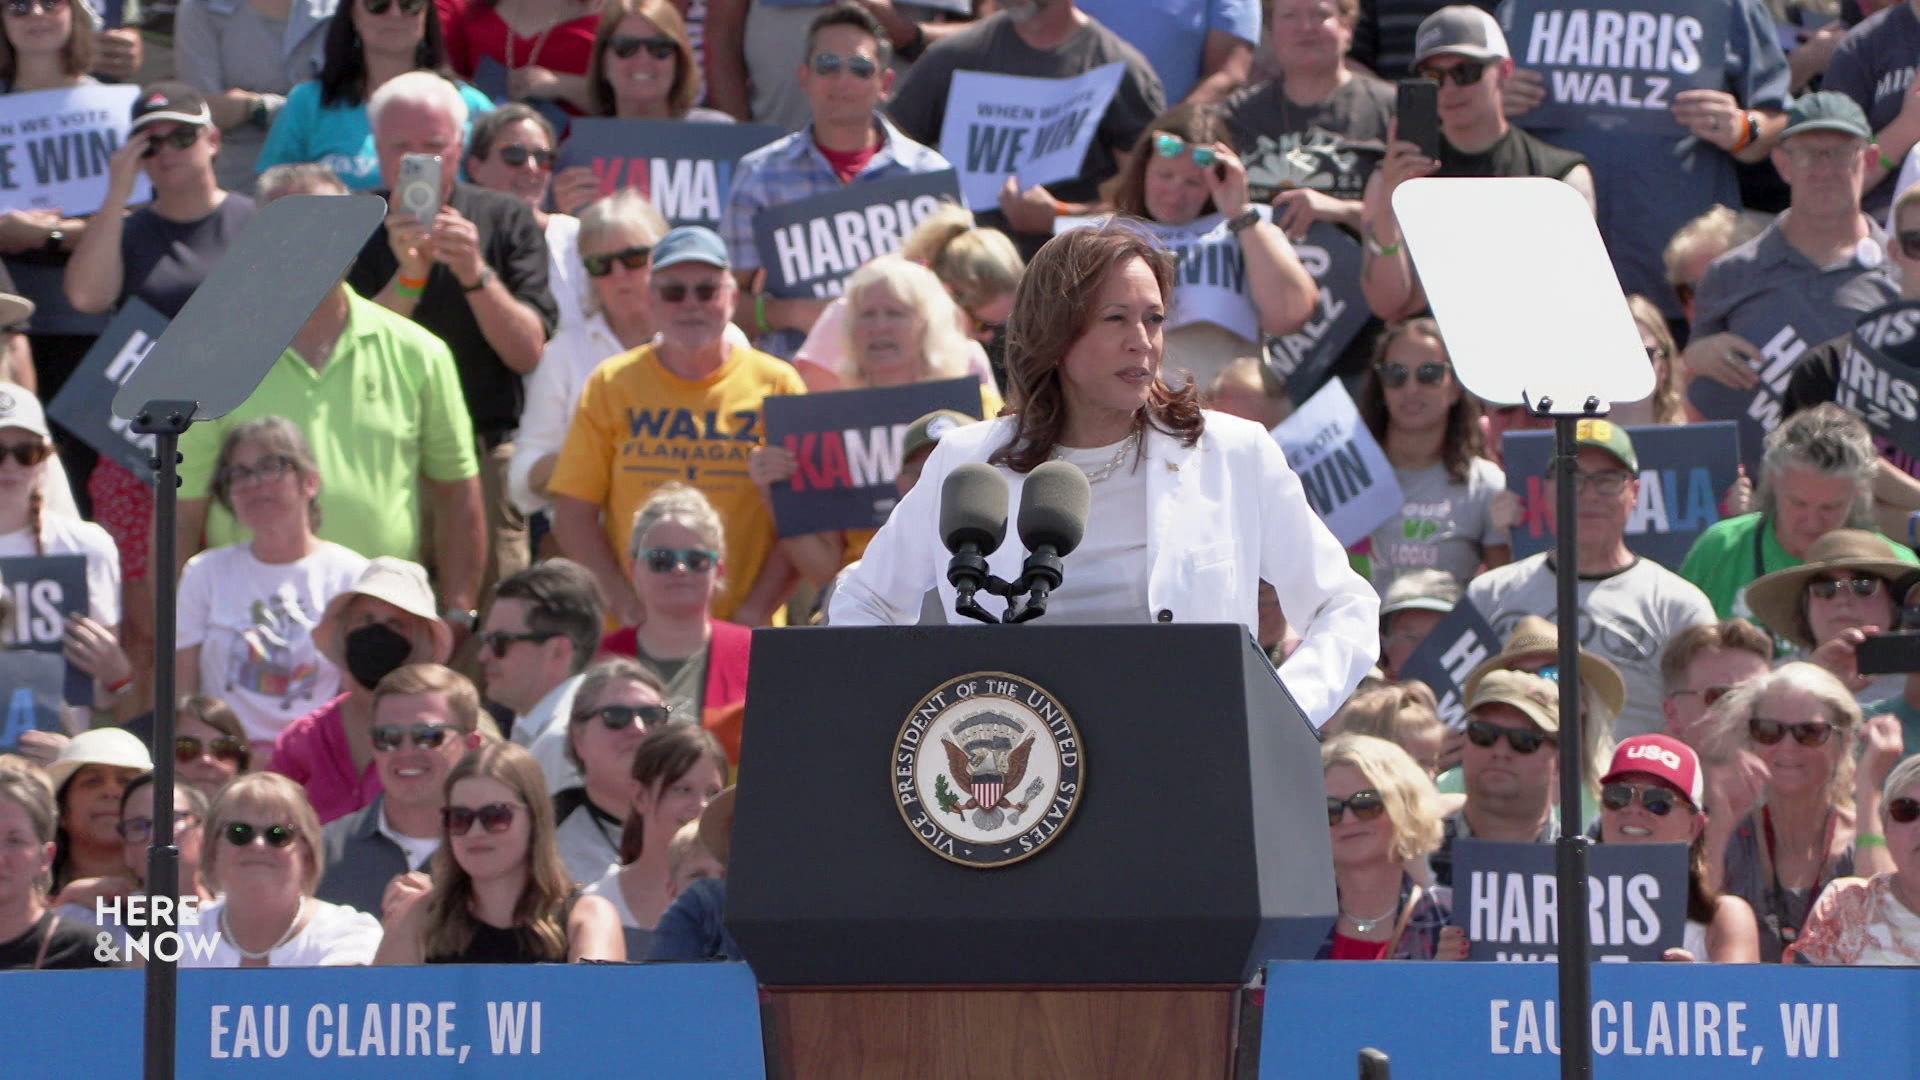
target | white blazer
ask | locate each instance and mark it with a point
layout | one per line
(1225, 514)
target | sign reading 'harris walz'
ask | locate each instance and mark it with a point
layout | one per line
(1879, 375)
(1618, 67)
(812, 246)
(1506, 896)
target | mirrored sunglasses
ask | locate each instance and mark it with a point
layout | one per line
(423, 736)
(662, 560)
(1658, 801)
(826, 63)
(1172, 146)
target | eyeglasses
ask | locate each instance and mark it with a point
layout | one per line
(675, 293)
(25, 7)
(633, 258)
(240, 834)
(1172, 146)
(516, 155)
(496, 817)
(1393, 376)
(179, 138)
(502, 640)
(407, 7)
(826, 63)
(1659, 801)
(1484, 733)
(1465, 73)
(1903, 811)
(1366, 806)
(1861, 587)
(271, 467)
(1707, 696)
(621, 717)
(223, 747)
(139, 830)
(1910, 244)
(666, 560)
(1770, 732)
(423, 736)
(1610, 482)
(626, 48)
(26, 455)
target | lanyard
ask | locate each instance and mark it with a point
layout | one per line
(1778, 920)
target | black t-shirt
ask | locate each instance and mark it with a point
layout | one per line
(1330, 146)
(516, 249)
(1517, 153)
(165, 261)
(71, 947)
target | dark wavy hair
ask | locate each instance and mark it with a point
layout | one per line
(1196, 125)
(1053, 308)
(1463, 441)
(343, 68)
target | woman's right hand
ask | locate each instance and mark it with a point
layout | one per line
(1734, 787)
(1453, 944)
(1882, 746)
(574, 188)
(1726, 358)
(1524, 90)
(1507, 510)
(1838, 656)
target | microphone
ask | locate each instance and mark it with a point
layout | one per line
(973, 522)
(1053, 517)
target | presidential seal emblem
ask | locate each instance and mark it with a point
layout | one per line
(987, 769)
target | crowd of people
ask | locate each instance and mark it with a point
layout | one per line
(466, 586)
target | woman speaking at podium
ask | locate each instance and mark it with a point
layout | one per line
(1190, 509)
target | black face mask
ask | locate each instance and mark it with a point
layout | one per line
(375, 651)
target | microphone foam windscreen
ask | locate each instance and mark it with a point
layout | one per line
(973, 507)
(1053, 506)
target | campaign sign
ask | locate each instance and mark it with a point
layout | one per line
(683, 167)
(1501, 1022)
(1617, 69)
(1879, 374)
(489, 1022)
(46, 591)
(1210, 271)
(54, 146)
(1036, 130)
(1306, 357)
(84, 404)
(1348, 480)
(31, 693)
(1759, 410)
(812, 246)
(847, 443)
(1504, 897)
(1684, 472)
(491, 78)
(1453, 648)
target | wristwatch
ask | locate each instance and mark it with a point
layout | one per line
(486, 276)
(460, 619)
(56, 239)
(261, 117)
(1244, 220)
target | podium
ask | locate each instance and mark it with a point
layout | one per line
(1190, 849)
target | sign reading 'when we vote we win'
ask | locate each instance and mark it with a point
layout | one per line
(1618, 67)
(54, 146)
(1347, 478)
(810, 247)
(1035, 130)
(683, 167)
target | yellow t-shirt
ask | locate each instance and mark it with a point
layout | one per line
(853, 542)
(639, 427)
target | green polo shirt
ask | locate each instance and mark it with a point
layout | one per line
(384, 412)
(1724, 561)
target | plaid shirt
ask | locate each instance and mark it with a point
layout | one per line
(1420, 938)
(791, 169)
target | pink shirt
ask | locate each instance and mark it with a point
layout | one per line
(313, 751)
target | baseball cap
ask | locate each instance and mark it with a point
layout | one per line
(926, 432)
(1609, 436)
(690, 243)
(20, 409)
(1534, 696)
(1421, 590)
(1665, 757)
(174, 101)
(1827, 110)
(1459, 30)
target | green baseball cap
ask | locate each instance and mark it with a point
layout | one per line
(1609, 436)
(927, 431)
(1827, 110)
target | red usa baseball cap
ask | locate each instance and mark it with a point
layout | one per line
(1667, 758)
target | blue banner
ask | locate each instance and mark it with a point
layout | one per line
(504, 1022)
(1500, 1021)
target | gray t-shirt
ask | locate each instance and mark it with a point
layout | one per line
(1340, 138)
(1627, 616)
(1874, 66)
(1767, 283)
(1442, 526)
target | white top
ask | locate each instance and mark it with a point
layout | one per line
(63, 535)
(253, 622)
(588, 846)
(544, 733)
(1693, 938)
(566, 274)
(335, 936)
(609, 887)
(1109, 583)
(417, 849)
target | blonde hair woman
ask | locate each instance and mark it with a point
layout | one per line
(1405, 714)
(1381, 813)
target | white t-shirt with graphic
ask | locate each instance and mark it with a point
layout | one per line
(1443, 526)
(253, 622)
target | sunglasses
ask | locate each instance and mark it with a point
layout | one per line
(1910, 244)
(621, 717)
(240, 834)
(1903, 811)
(1861, 587)
(271, 467)
(502, 640)
(516, 155)
(1366, 806)
(1172, 146)
(1659, 801)
(1484, 733)
(25, 7)
(626, 48)
(381, 7)
(1770, 732)
(26, 455)
(423, 736)
(667, 560)
(826, 63)
(675, 293)
(1465, 73)
(494, 817)
(139, 830)
(633, 258)
(1393, 376)
(223, 748)
(179, 138)
(1707, 696)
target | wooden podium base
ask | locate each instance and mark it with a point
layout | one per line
(1055, 1033)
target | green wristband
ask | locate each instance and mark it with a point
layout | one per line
(1868, 839)
(760, 311)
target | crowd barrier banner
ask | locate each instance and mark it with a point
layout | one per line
(84, 404)
(810, 247)
(848, 446)
(1879, 376)
(1347, 477)
(1617, 68)
(1452, 649)
(1504, 895)
(46, 591)
(683, 167)
(504, 1022)
(1684, 473)
(1500, 1021)
(31, 685)
(54, 146)
(1036, 130)
(1306, 357)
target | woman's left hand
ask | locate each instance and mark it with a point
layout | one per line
(1507, 509)
(93, 649)
(1227, 181)
(1713, 116)
(1453, 944)
(1882, 746)
(533, 81)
